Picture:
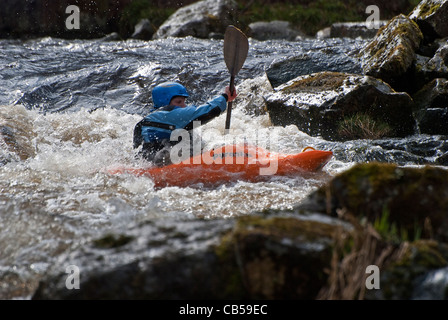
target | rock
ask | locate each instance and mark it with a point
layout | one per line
(251, 95)
(335, 59)
(415, 200)
(143, 30)
(428, 68)
(431, 105)
(418, 272)
(351, 30)
(252, 257)
(274, 30)
(199, 19)
(392, 52)
(431, 15)
(320, 103)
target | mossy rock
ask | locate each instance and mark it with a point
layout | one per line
(328, 104)
(401, 276)
(415, 199)
(391, 53)
(431, 15)
(283, 257)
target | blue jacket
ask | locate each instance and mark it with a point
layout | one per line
(156, 127)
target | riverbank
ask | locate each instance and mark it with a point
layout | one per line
(24, 19)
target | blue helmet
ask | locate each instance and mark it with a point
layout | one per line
(164, 92)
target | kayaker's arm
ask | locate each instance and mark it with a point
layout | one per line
(214, 108)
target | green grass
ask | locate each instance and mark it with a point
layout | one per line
(362, 126)
(390, 232)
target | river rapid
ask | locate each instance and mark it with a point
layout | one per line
(67, 112)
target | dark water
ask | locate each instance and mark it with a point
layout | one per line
(67, 111)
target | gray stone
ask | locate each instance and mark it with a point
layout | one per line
(431, 16)
(318, 104)
(199, 20)
(392, 52)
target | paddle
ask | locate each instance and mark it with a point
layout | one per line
(236, 47)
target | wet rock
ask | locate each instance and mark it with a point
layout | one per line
(252, 257)
(199, 20)
(411, 275)
(329, 58)
(319, 104)
(391, 53)
(442, 160)
(430, 67)
(251, 95)
(431, 15)
(285, 257)
(431, 105)
(413, 201)
(274, 30)
(144, 30)
(364, 30)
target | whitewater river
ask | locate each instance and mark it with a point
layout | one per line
(67, 112)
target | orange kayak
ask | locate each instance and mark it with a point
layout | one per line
(231, 163)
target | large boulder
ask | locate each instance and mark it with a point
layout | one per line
(431, 16)
(326, 103)
(432, 65)
(391, 53)
(252, 257)
(338, 58)
(413, 201)
(200, 20)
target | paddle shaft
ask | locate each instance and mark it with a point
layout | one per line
(229, 104)
(236, 47)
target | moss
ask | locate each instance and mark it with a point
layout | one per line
(365, 174)
(415, 197)
(278, 256)
(225, 253)
(414, 260)
(112, 241)
(322, 81)
(285, 227)
(410, 35)
(427, 9)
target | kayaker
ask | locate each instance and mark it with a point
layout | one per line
(171, 112)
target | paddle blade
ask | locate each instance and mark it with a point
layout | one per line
(236, 47)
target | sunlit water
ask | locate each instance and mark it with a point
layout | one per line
(72, 107)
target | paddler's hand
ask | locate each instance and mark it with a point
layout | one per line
(230, 96)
